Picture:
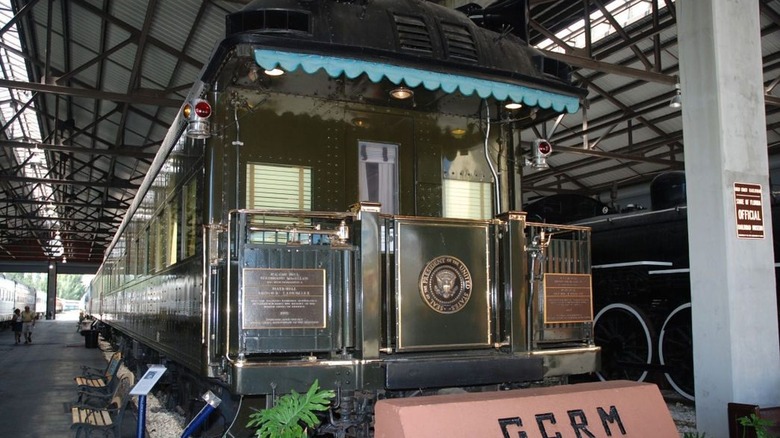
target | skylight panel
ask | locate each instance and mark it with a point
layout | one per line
(19, 118)
(624, 12)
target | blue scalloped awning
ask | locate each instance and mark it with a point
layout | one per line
(412, 77)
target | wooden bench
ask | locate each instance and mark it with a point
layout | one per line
(103, 380)
(87, 419)
(739, 410)
(91, 372)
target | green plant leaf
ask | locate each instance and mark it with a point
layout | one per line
(757, 423)
(291, 412)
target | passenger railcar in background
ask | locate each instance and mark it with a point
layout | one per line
(40, 303)
(14, 295)
(641, 281)
(335, 204)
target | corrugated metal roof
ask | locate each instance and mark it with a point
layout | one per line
(631, 130)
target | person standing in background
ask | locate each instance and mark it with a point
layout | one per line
(16, 324)
(28, 320)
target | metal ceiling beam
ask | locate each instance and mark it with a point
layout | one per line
(620, 31)
(22, 12)
(63, 232)
(58, 219)
(642, 147)
(628, 110)
(120, 151)
(101, 57)
(114, 204)
(41, 266)
(134, 31)
(771, 100)
(29, 252)
(605, 67)
(135, 98)
(618, 156)
(597, 124)
(115, 183)
(6, 240)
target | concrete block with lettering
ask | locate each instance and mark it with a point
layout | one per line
(599, 409)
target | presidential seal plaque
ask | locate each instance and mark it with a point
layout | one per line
(445, 284)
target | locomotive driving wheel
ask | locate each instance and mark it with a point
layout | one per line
(623, 333)
(675, 350)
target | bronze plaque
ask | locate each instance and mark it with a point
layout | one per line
(283, 298)
(567, 298)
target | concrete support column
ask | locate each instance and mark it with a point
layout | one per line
(51, 290)
(734, 303)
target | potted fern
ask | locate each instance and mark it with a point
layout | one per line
(292, 415)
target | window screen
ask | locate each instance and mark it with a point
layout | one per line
(275, 187)
(467, 199)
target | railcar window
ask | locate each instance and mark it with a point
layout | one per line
(159, 241)
(278, 187)
(190, 218)
(172, 230)
(151, 264)
(133, 256)
(144, 253)
(378, 174)
(467, 199)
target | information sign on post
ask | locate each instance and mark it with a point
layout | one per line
(749, 210)
(147, 382)
(141, 389)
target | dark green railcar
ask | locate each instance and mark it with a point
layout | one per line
(337, 201)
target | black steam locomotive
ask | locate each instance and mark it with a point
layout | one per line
(335, 203)
(641, 281)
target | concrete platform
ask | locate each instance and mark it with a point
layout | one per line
(36, 383)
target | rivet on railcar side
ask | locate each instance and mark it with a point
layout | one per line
(340, 203)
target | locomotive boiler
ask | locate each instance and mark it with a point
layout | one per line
(337, 202)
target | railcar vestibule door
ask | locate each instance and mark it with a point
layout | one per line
(378, 174)
(381, 155)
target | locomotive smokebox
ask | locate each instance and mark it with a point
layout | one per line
(668, 191)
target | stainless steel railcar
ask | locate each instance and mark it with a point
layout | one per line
(15, 295)
(310, 225)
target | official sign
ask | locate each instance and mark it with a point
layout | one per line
(749, 210)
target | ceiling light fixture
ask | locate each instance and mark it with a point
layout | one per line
(274, 72)
(676, 101)
(360, 122)
(513, 105)
(401, 93)
(458, 132)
